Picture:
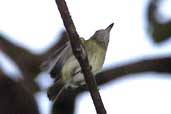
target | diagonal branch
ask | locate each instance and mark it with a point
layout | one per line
(26, 61)
(80, 54)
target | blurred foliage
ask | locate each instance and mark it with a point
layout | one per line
(15, 98)
(159, 31)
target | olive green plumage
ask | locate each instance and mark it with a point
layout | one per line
(66, 70)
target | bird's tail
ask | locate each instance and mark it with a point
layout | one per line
(55, 90)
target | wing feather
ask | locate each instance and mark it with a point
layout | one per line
(57, 59)
(55, 62)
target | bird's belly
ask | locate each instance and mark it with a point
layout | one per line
(96, 61)
(72, 71)
(69, 68)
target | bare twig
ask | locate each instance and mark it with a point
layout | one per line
(160, 65)
(79, 52)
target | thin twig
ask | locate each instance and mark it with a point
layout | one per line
(80, 54)
(159, 65)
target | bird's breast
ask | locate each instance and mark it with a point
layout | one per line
(96, 55)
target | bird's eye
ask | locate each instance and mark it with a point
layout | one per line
(97, 31)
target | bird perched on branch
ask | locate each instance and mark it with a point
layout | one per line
(64, 67)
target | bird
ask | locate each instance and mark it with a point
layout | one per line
(64, 67)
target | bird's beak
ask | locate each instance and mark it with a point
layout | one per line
(109, 27)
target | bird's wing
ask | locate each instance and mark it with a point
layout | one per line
(54, 63)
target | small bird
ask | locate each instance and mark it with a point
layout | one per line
(64, 67)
